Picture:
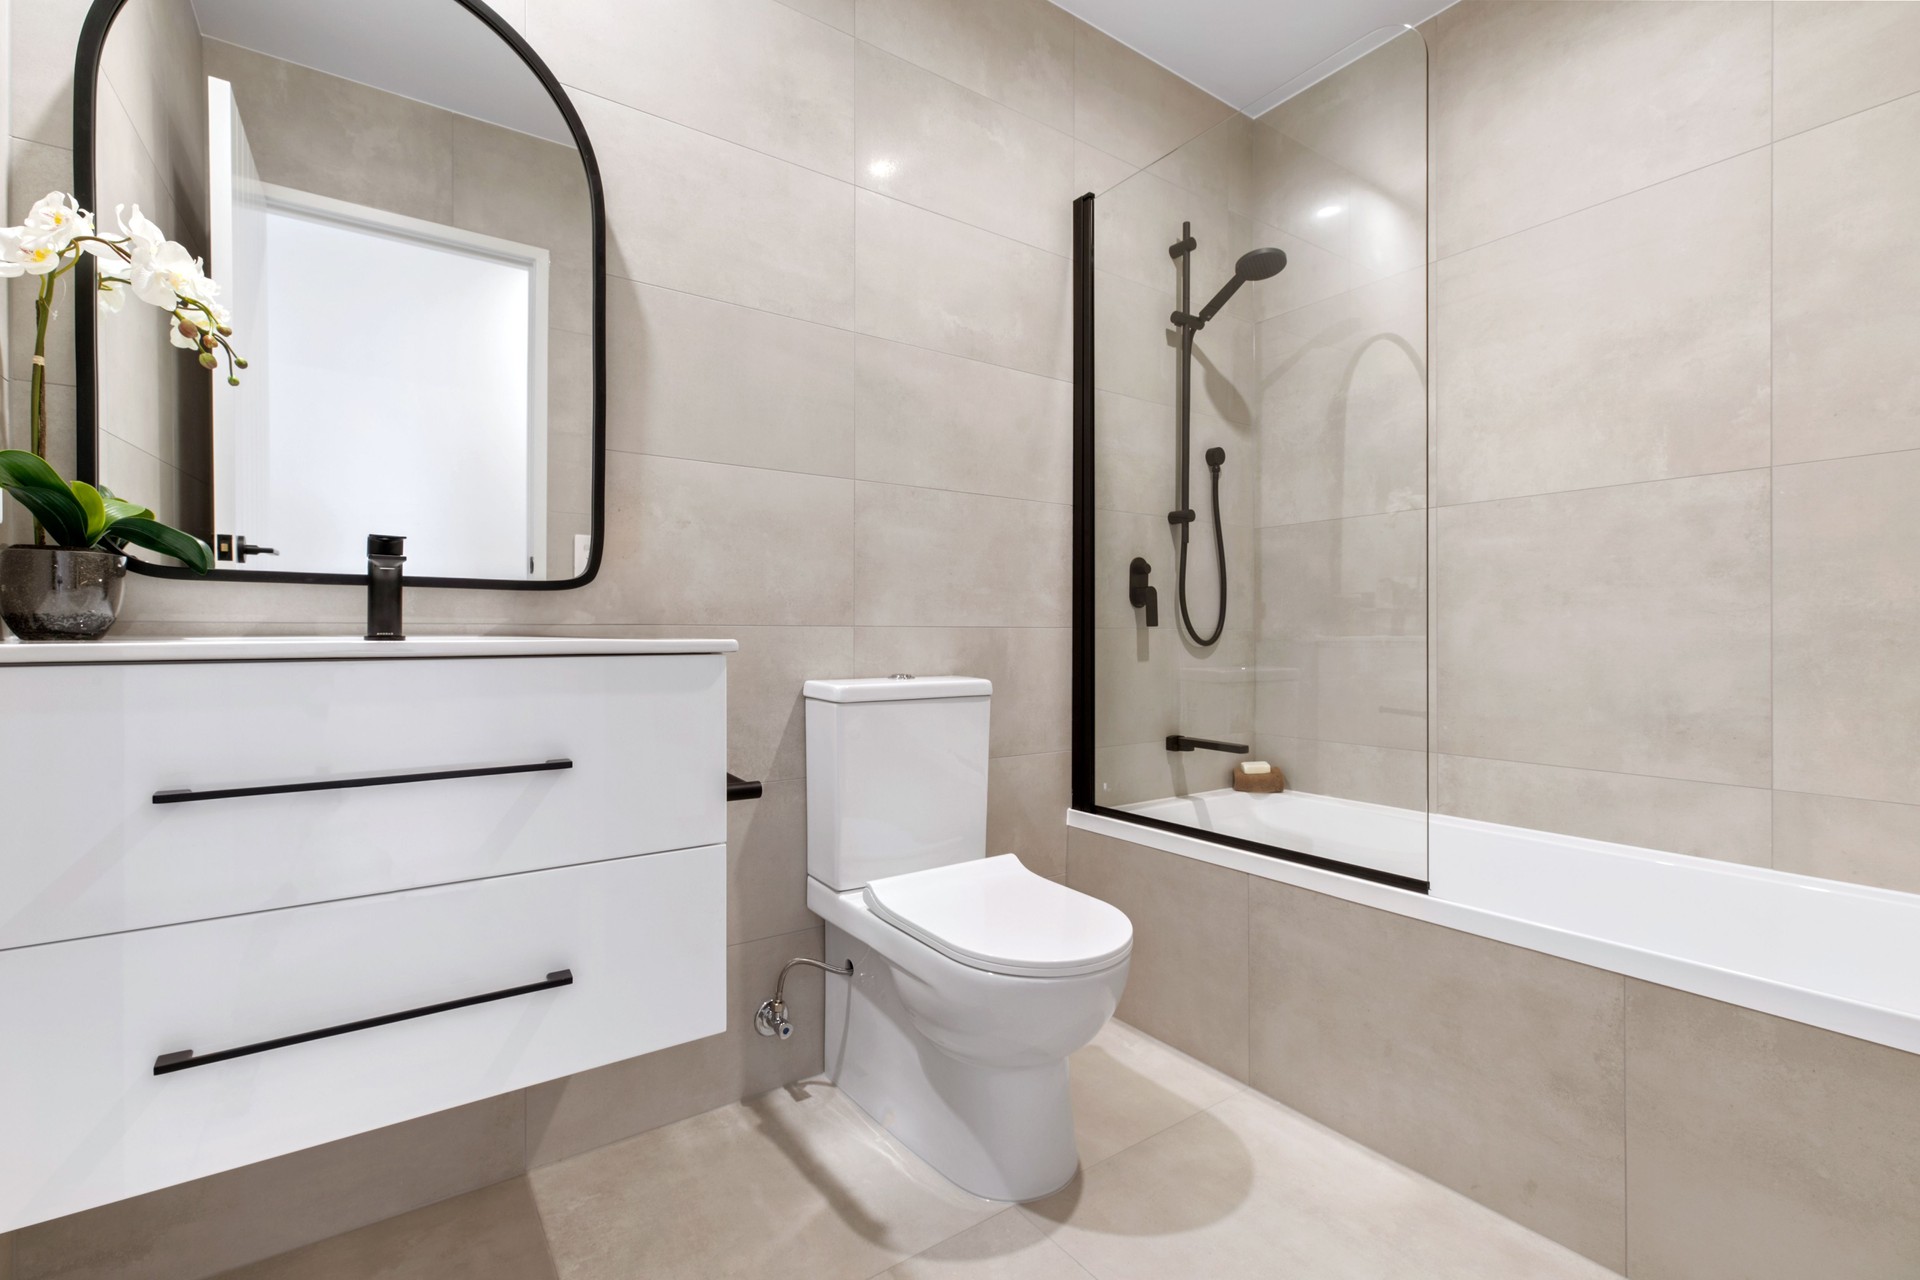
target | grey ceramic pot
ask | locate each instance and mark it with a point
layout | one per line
(56, 593)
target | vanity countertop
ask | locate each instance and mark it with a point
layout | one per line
(323, 648)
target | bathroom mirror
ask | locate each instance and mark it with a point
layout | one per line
(403, 215)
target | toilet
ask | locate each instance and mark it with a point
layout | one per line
(973, 978)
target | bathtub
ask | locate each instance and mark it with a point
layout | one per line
(1841, 957)
(1377, 836)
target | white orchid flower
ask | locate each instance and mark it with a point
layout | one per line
(168, 274)
(19, 257)
(143, 238)
(53, 222)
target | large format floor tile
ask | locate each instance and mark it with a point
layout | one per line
(1184, 1172)
(1250, 1188)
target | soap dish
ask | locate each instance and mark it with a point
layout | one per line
(1271, 780)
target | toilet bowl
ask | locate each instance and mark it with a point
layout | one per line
(973, 979)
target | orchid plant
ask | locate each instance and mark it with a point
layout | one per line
(139, 260)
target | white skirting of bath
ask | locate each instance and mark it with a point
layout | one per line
(1842, 957)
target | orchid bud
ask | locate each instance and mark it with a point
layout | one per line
(188, 329)
(207, 361)
(232, 381)
(226, 331)
(239, 363)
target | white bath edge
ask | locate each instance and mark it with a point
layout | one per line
(1822, 1009)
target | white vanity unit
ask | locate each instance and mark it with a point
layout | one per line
(260, 894)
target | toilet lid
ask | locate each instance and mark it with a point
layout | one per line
(994, 914)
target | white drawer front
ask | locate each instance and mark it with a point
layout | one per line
(85, 1121)
(86, 748)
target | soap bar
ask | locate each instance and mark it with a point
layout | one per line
(1258, 776)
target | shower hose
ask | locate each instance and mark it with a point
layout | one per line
(1220, 558)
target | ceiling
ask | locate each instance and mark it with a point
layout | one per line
(385, 45)
(1242, 51)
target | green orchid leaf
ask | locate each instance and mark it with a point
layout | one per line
(39, 488)
(167, 540)
(121, 509)
(94, 505)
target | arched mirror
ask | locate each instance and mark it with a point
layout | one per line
(403, 215)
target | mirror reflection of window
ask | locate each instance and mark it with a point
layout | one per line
(406, 243)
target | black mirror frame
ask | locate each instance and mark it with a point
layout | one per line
(86, 78)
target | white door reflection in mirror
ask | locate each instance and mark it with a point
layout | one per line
(405, 383)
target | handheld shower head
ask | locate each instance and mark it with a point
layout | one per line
(1256, 264)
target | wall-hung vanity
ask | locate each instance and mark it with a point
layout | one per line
(269, 893)
(260, 894)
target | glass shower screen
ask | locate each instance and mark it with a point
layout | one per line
(1253, 475)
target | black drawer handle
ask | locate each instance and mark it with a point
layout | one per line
(187, 795)
(741, 789)
(181, 1059)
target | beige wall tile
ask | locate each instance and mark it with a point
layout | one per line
(1136, 771)
(594, 1108)
(1017, 52)
(1377, 775)
(1096, 171)
(766, 724)
(1343, 404)
(925, 140)
(317, 132)
(928, 557)
(1866, 842)
(837, 13)
(933, 282)
(1846, 601)
(1359, 690)
(1027, 801)
(1763, 1149)
(1131, 107)
(1847, 286)
(1136, 351)
(1215, 166)
(41, 43)
(697, 542)
(1137, 220)
(767, 863)
(1363, 577)
(1733, 824)
(1585, 102)
(692, 212)
(937, 421)
(243, 1215)
(688, 377)
(1188, 980)
(490, 1234)
(1623, 629)
(1832, 58)
(1626, 342)
(1030, 667)
(1492, 1069)
(1136, 693)
(752, 72)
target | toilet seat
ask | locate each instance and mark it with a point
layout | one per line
(994, 914)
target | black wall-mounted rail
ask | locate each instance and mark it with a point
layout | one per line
(183, 1059)
(187, 795)
(741, 789)
(1180, 742)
